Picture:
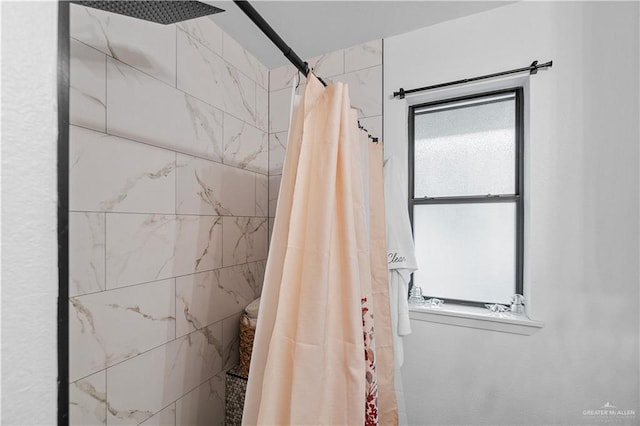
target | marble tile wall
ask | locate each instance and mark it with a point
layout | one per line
(169, 206)
(359, 66)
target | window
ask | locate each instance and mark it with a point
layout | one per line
(466, 196)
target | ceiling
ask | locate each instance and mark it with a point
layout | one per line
(312, 28)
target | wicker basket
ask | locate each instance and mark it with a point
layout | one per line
(246, 344)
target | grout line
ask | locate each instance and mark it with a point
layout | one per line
(255, 102)
(170, 278)
(224, 136)
(183, 92)
(106, 93)
(173, 150)
(358, 70)
(105, 251)
(344, 61)
(154, 214)
(71, 38)
(227, 64)
(381, 136)
(221, 54)
(218, 321)
(89, 375)
(167, 214)
(222, 343)
(106, 397)
(175, 185)
(176, 75)
(222, 256)
(334, 76)
(161, 409)
(151, 349)
(222, 43)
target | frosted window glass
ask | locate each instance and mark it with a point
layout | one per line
(466, 150)
(466, 251)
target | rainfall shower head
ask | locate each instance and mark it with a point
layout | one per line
(162, 12)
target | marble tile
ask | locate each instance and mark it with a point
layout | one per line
(262, 109)
(362, 56)
(141, 386)
(146, 46)
(279, 110)
(205, 32)
(87, 91)
(373, 125)
(231, 341)
(271, 220)
(282, 77)
(238, 191)
(245, 146)
(209, 297)
(143, 248)
(112, 174)
(200, 186)
(365, 90)
(200, 300)
(88, 400)
(277, 150)
(258, 273)
(274, 188)
(165, 417)
(328, 65)
(205, 75)
(203, 406)
(205, 187)
(260, 266)
(144, 109)
(243, 60)
(86, 253)
(246, 280)
(244, 239)
(108, 327)
(262, 195)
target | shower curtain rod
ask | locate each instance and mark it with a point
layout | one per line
(257, 19)
(533, 69)
(301, 65)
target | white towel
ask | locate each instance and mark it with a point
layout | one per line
(252, 309)
(401, 256)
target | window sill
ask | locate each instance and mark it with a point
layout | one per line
(474, 317)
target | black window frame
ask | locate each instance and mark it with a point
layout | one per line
(517, 198)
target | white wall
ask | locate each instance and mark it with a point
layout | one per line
(29, 241)
(582, 248)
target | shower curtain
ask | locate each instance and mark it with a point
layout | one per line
(323, 350)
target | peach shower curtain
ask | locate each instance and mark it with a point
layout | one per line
(323, 350)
